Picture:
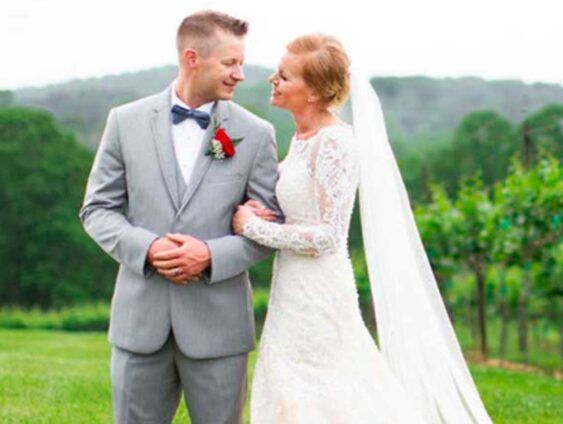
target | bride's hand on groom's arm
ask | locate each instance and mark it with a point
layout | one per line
(260, 211)
(241, 217)
(185, 261)
(248, 210)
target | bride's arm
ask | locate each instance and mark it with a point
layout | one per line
(334, 176)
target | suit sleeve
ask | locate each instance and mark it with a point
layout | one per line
(233, 254)
(102, 213)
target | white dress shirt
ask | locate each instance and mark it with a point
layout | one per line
(187, 137)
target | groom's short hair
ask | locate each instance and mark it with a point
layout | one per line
(198, 30)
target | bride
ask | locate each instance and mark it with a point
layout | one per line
(317, 362)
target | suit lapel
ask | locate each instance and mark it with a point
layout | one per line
(203, 161)
(162, 137)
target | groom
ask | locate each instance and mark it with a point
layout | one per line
(165, 182)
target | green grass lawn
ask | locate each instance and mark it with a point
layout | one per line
(63, 377)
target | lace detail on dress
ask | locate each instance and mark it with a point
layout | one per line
(331, 165)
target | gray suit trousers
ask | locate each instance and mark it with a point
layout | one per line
(147, 387)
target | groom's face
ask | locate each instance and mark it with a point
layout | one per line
(221, 70)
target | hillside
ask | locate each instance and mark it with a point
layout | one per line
(414, 106)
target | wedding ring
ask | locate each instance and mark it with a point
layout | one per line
(176, 271)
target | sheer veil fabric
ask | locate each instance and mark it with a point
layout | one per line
(415, 333)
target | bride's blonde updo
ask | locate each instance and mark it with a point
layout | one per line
(325, 67)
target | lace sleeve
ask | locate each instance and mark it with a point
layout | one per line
(333, 171)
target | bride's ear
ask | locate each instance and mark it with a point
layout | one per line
(313, 98)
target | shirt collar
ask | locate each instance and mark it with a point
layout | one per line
(206, 107)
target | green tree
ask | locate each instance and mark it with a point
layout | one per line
(437, 222)
(483, 143)
(543, 130)
(529, 217)
(474, 239)
(46, 257)
(6, 98)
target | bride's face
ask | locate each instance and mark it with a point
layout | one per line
(289, 90)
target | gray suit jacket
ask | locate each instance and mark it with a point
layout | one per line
(132, 198)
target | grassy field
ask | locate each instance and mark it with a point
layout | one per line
(62, 377)
(544, 346)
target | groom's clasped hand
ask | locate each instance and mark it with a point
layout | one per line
(183, 258)
(180, 258)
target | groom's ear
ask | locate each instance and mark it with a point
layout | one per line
(190, 57)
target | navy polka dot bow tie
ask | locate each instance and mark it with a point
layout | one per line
(179, 114)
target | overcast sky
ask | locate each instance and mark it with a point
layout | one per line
(48, 41)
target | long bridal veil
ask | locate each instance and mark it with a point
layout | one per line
(415, 333)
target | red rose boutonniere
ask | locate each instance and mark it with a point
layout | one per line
(222, 146)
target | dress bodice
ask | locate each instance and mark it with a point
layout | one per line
(316, 190)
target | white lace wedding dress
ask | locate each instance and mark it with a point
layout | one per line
(317, 362)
